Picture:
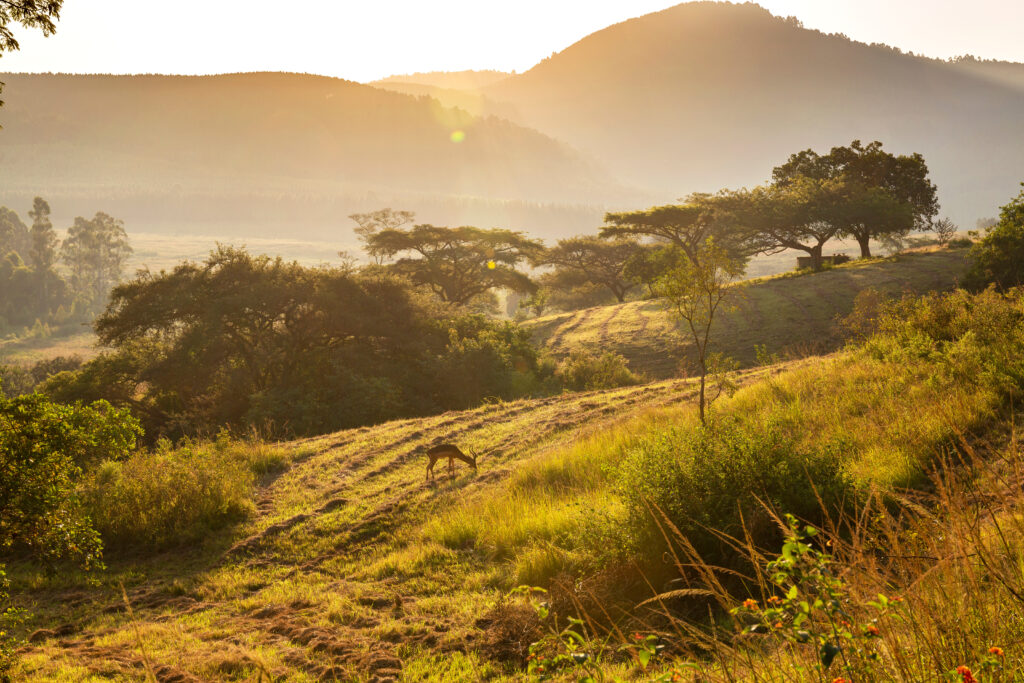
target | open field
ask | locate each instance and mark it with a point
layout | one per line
(790, 315)
(332, 579)
(35, 349)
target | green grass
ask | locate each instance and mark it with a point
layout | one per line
(791, 315)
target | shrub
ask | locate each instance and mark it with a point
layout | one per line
(169, 497)
(999, 257)
(585, 371)
(717, 478)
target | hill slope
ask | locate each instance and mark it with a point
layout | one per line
(708, 95)
(310, 588)
(243, 146)
(790, 315)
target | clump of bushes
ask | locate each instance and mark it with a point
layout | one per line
(586, 371)
(722, 476)
(172, 496)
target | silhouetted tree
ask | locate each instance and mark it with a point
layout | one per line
(13, 233)
(945, 230)
(458, 264)
(368, 224)
(594, 260)
(95, 252)
(887, 194)
(43, 252)
(687, 226)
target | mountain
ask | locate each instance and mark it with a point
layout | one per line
(265, 150)
(451, 80)
(708, 95)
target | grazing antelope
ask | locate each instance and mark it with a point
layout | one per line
(450, 451)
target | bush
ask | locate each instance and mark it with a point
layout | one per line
(585, 371)
(718, 478)
(998, 259)
(170, 497)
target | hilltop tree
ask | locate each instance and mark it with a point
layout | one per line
(797, 215)
(458, 264)
(686, 226)
(95, 252)
(945, 230)
(596, 261)
(368, 224)
(888, 195)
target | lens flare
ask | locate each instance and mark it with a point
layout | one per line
(458, 136)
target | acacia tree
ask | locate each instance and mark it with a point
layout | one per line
(696, 293)
(888, 195)
(596, 261)
(458, 264)
(686, 226)
(95, 252)
(368, 224)
(945, 230)
(797, 215)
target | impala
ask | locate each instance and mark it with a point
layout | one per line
(450, 451)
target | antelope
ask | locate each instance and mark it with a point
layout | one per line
(450, 451)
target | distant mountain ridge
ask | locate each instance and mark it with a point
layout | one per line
(455, 80)
(180, 141)
(706, 95)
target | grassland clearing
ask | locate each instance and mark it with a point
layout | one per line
(791, 315)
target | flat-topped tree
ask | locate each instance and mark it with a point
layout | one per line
(595, 260)
(368, 224)
(458, 264)
(887, 195)
(798, 215)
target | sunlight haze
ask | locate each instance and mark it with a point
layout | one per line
(366, 41)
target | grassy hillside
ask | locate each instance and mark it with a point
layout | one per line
(336, 577)
(790, 315)
(352, 567)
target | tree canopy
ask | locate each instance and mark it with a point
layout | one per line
(243, 340)
(40, 14)
(596, 261)
(885, 194)
(998, 259)
(687, 226)
(457, 264)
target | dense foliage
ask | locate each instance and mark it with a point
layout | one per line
(244, 340)
(998, 259)
(43, 448)
(32, 291)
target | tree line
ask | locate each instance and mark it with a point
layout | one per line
(859, 192)
(92, 255)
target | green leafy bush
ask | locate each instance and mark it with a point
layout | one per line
(168, 497)
(586, 371)
(998, 259)
(720, 476)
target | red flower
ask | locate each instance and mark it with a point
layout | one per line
(996, 650)
(840, 680)
(872, 630)
(965, 672)
(750, 603)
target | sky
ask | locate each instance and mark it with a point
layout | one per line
(363, 40)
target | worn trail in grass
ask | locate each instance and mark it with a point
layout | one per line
(326, 581)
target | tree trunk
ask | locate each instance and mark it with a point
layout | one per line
(703, 379)
(864, 240)
(815, 253)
